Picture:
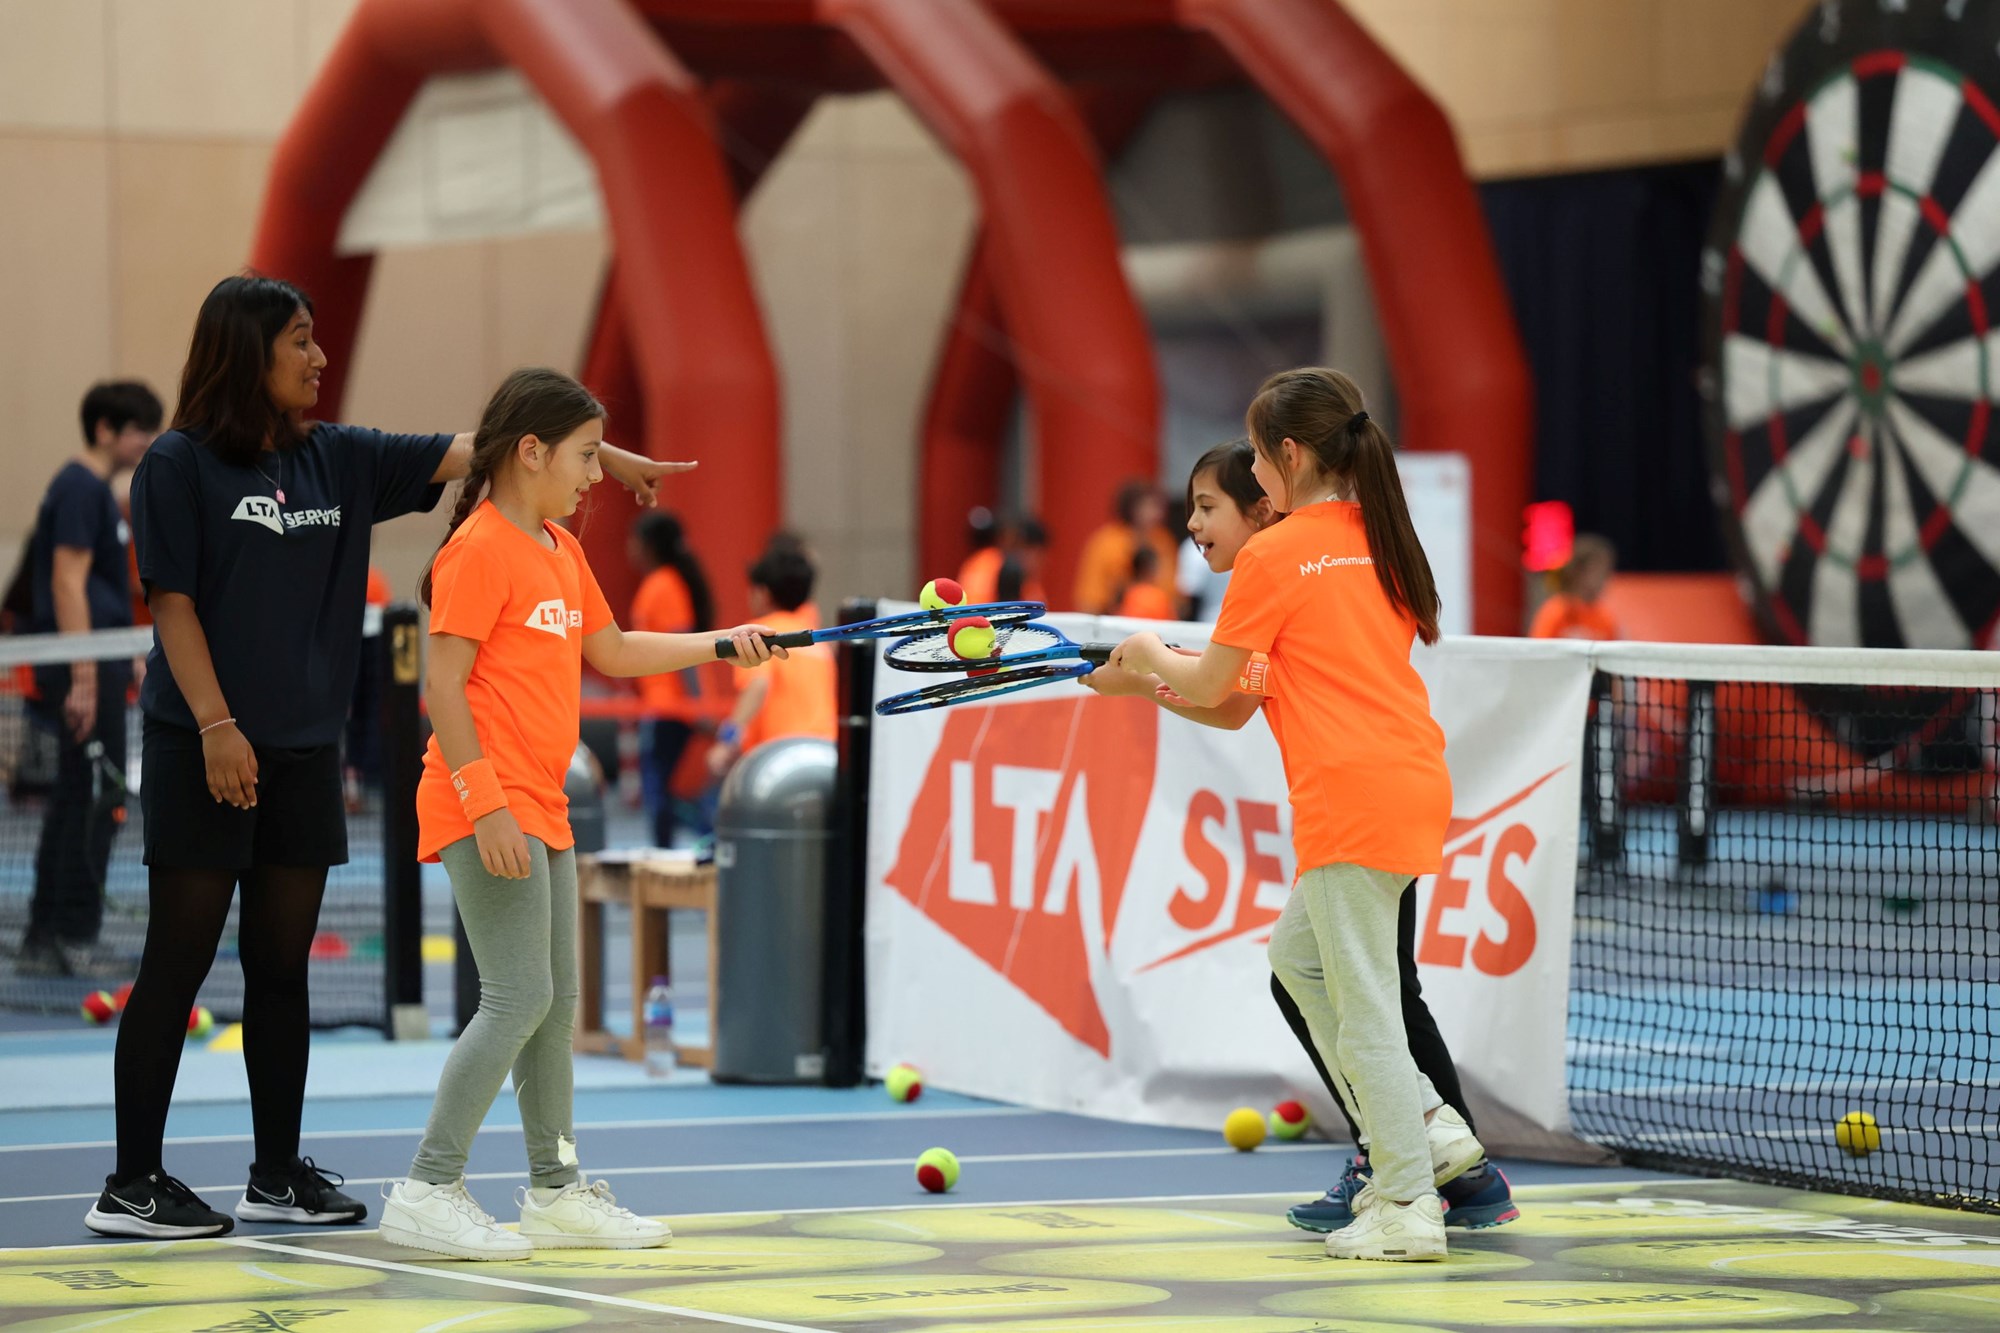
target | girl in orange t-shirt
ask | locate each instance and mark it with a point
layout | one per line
(514, 614)
(1226, 508)
(1335, 595)
(1575, 612)
(673, 598)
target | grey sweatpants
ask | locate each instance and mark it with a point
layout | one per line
(523, 935)
(1334, 948)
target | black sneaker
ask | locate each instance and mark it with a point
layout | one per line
(300, 1192)
(155, 1206)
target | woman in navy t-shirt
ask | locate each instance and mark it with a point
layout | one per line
(252, 529)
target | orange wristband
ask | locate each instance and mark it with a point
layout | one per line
(1256, 675)
(478, 789)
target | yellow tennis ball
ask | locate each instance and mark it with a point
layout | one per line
(971, 638)
(941, 593)
(1857, 1134)
(937, 1170)
(905, 1083)
(1244, 1129)
(200, 1021)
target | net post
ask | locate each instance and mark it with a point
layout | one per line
(1602, 766)
(844, 994)
(401, 644)
(1697, 775)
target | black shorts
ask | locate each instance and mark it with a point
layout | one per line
(300, 818)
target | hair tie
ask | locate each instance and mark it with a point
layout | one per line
(1356, 421)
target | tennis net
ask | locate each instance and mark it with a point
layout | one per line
(1788, 915)
(349, 972)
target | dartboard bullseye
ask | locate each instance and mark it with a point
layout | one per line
(1852, 325)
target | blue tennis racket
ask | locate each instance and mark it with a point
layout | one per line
(987, 685)
(885, 627)
(1013, 645)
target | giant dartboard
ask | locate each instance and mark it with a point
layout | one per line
(1851, 288)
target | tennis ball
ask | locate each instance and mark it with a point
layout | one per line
(200, 1022)
(941, 593)
(122, 996)
(905, 1083)
(1289, 1120)
(937, 1170)
(1244, 1129)
(99, 1007)
(971, 637)
(1857, 1134)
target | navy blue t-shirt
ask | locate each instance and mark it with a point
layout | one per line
(79, 511)
(279, 588)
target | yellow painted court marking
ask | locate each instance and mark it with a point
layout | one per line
(718, 1257)
(229, 1039)
(460, 1274)
(843, 1299)
(320, 1316)
(1976, 1306)
(1801, 1257)
(116, 1280)
(1034, 1223)
(1299, 1258)
(1560, 1304)
(1170, 1323)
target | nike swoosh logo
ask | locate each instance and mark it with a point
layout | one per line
(135, 1209)
(286, 1201)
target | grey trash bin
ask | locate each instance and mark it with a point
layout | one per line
(772, 830)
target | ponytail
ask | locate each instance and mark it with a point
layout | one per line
(1320, 410)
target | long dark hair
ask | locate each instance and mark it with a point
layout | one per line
(1230, 464)
(222, 386)
(1320, 410)
(532, 401)
(665, 541)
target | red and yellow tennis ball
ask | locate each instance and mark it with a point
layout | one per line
(1289, 1120)
(99, 1007)
(939, 594)
(937, 1170)
(972, 638)
(200, 1021)
(905, 1083)
(1244, 1129)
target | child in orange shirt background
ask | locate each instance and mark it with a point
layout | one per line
(515, 612)
(673, 598)
(1575, 612)
(1335, 596)
(800, 699)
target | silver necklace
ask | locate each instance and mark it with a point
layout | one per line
(276, 484)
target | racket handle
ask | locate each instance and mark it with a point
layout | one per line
(1097, 654)
(726, 648)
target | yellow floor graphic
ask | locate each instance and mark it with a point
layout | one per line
(1711, 1255)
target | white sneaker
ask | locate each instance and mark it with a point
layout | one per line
(585, 1216)
(1396, 1232)
(1454, 1150)
(444, 1219)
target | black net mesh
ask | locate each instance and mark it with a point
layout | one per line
(1788, 935)
(347, 967)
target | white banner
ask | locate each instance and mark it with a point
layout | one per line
(1069, 897)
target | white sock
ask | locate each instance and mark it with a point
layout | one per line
(416, 1191)
(543, 1197)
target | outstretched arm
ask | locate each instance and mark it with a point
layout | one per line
(1229, 715)
(636, 472)
(616, 653)
(1204, 681)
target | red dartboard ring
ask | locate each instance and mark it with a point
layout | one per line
(1851, 327)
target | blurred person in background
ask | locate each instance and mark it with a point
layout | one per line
(673, 598)
(799, 696)
(1575, 612)
(1106, 564)
(80, 580)
(1013, 559)
(1142, 598)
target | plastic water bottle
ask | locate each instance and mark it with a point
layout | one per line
(659, 1015)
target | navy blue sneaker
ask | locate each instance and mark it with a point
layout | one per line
(1334, 1209)
(1478, 1199)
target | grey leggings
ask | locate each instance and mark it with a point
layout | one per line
(523, 934)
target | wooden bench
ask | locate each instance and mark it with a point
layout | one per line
(651, 889)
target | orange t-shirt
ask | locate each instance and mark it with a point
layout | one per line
(1364, 759)
(1567, 617)
(804, 693)
(378, 587)
(979, 576)
(530, 609)
(1145, 601)
(1106, 565)
(662, 606)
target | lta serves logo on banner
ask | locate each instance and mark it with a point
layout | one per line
(1020, 842)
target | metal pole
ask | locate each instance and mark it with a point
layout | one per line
(401, 642)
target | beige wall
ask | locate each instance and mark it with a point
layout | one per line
(139, 131)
